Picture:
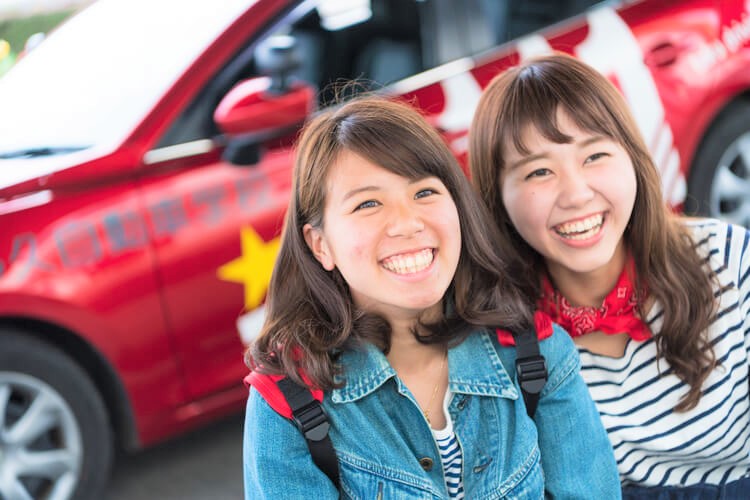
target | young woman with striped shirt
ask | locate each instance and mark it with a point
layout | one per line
(658, 304)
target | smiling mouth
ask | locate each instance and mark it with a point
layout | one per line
(409, 263)
(581, 229)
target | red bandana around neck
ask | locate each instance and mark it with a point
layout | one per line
(617, 314)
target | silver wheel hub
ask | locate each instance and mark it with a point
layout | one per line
(730, 188)
(41, 450)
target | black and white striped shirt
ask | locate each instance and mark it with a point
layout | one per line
(653, 444)
(450, 453)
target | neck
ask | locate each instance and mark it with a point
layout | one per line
(407, 355)
(588, 288)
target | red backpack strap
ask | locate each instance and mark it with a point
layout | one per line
(302, 405)
(542, 324)
(267, 386)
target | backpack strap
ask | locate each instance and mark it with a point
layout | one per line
(268, 387)
(531, 369)
(312, 421)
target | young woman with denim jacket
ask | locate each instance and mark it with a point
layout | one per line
(385, 293)
(658, 305)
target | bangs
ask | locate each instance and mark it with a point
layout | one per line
(533, 102)
(398, 148)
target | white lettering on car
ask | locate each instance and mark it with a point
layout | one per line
(733, 37)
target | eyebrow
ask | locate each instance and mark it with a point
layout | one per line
(541, 156)
(358, 190)
(364, 189)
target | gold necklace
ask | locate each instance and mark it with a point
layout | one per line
(426, 411)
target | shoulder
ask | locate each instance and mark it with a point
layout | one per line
(265, 428)
(712, 236)
(259, 412)
(561, 356)
(268, 387)
(559, 351)
(726, 246)
(276, 460)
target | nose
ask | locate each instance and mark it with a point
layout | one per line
(404, 221)
(575, 190)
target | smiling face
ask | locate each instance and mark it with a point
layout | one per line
(571, 202)
(396, 241)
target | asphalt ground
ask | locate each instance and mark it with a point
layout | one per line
(204, 464)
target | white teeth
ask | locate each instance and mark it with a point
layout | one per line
(581, 229)
(408, 264)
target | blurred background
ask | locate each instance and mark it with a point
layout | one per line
(24, 23)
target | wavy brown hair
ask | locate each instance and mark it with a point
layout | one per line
(667, 265)
(310, 313)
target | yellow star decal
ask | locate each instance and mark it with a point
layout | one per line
(253, 268)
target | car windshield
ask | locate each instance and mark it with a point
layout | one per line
(96, 76)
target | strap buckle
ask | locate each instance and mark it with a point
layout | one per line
(532, 373)
(312, 421)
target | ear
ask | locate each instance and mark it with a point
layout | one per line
(318, 245)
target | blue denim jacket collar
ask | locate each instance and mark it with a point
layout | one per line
(470, 372)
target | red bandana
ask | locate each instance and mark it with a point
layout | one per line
(616, 315)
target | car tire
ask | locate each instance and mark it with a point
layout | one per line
(719, 184)
(56, 442)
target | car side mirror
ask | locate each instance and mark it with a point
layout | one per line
(254, 112)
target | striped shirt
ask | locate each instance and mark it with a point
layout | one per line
(653, 444)
(450, 454)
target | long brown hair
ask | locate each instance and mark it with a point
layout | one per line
(310, 313)
(667, 265)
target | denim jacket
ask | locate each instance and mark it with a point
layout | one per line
(386, 450)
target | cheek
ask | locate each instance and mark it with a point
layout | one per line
(522, 206)
(634, 188)
(355, 242)
(447, 219)
(624, 190)
(358, 251)
(345, 242)
(528, 212)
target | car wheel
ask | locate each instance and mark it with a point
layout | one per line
(720, 175)
(55, 438)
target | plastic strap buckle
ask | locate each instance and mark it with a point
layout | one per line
(532, 373)
(312, 421)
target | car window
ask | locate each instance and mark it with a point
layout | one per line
(523, 17)
(380, 45)
(377, 43)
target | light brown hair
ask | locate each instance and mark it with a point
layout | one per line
(310, 313)
(530, 95)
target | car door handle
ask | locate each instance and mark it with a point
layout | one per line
(662, 55)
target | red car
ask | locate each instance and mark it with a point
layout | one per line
(145, 167)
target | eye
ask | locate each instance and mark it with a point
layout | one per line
(539, 172)
(366, 204)
(595, 156)
(423, 193)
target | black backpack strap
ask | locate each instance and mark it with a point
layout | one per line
(531, 368)
(312, 421)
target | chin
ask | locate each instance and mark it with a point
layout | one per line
(425, 304)
(584, 266)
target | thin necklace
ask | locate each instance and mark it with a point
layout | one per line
(426, 411)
